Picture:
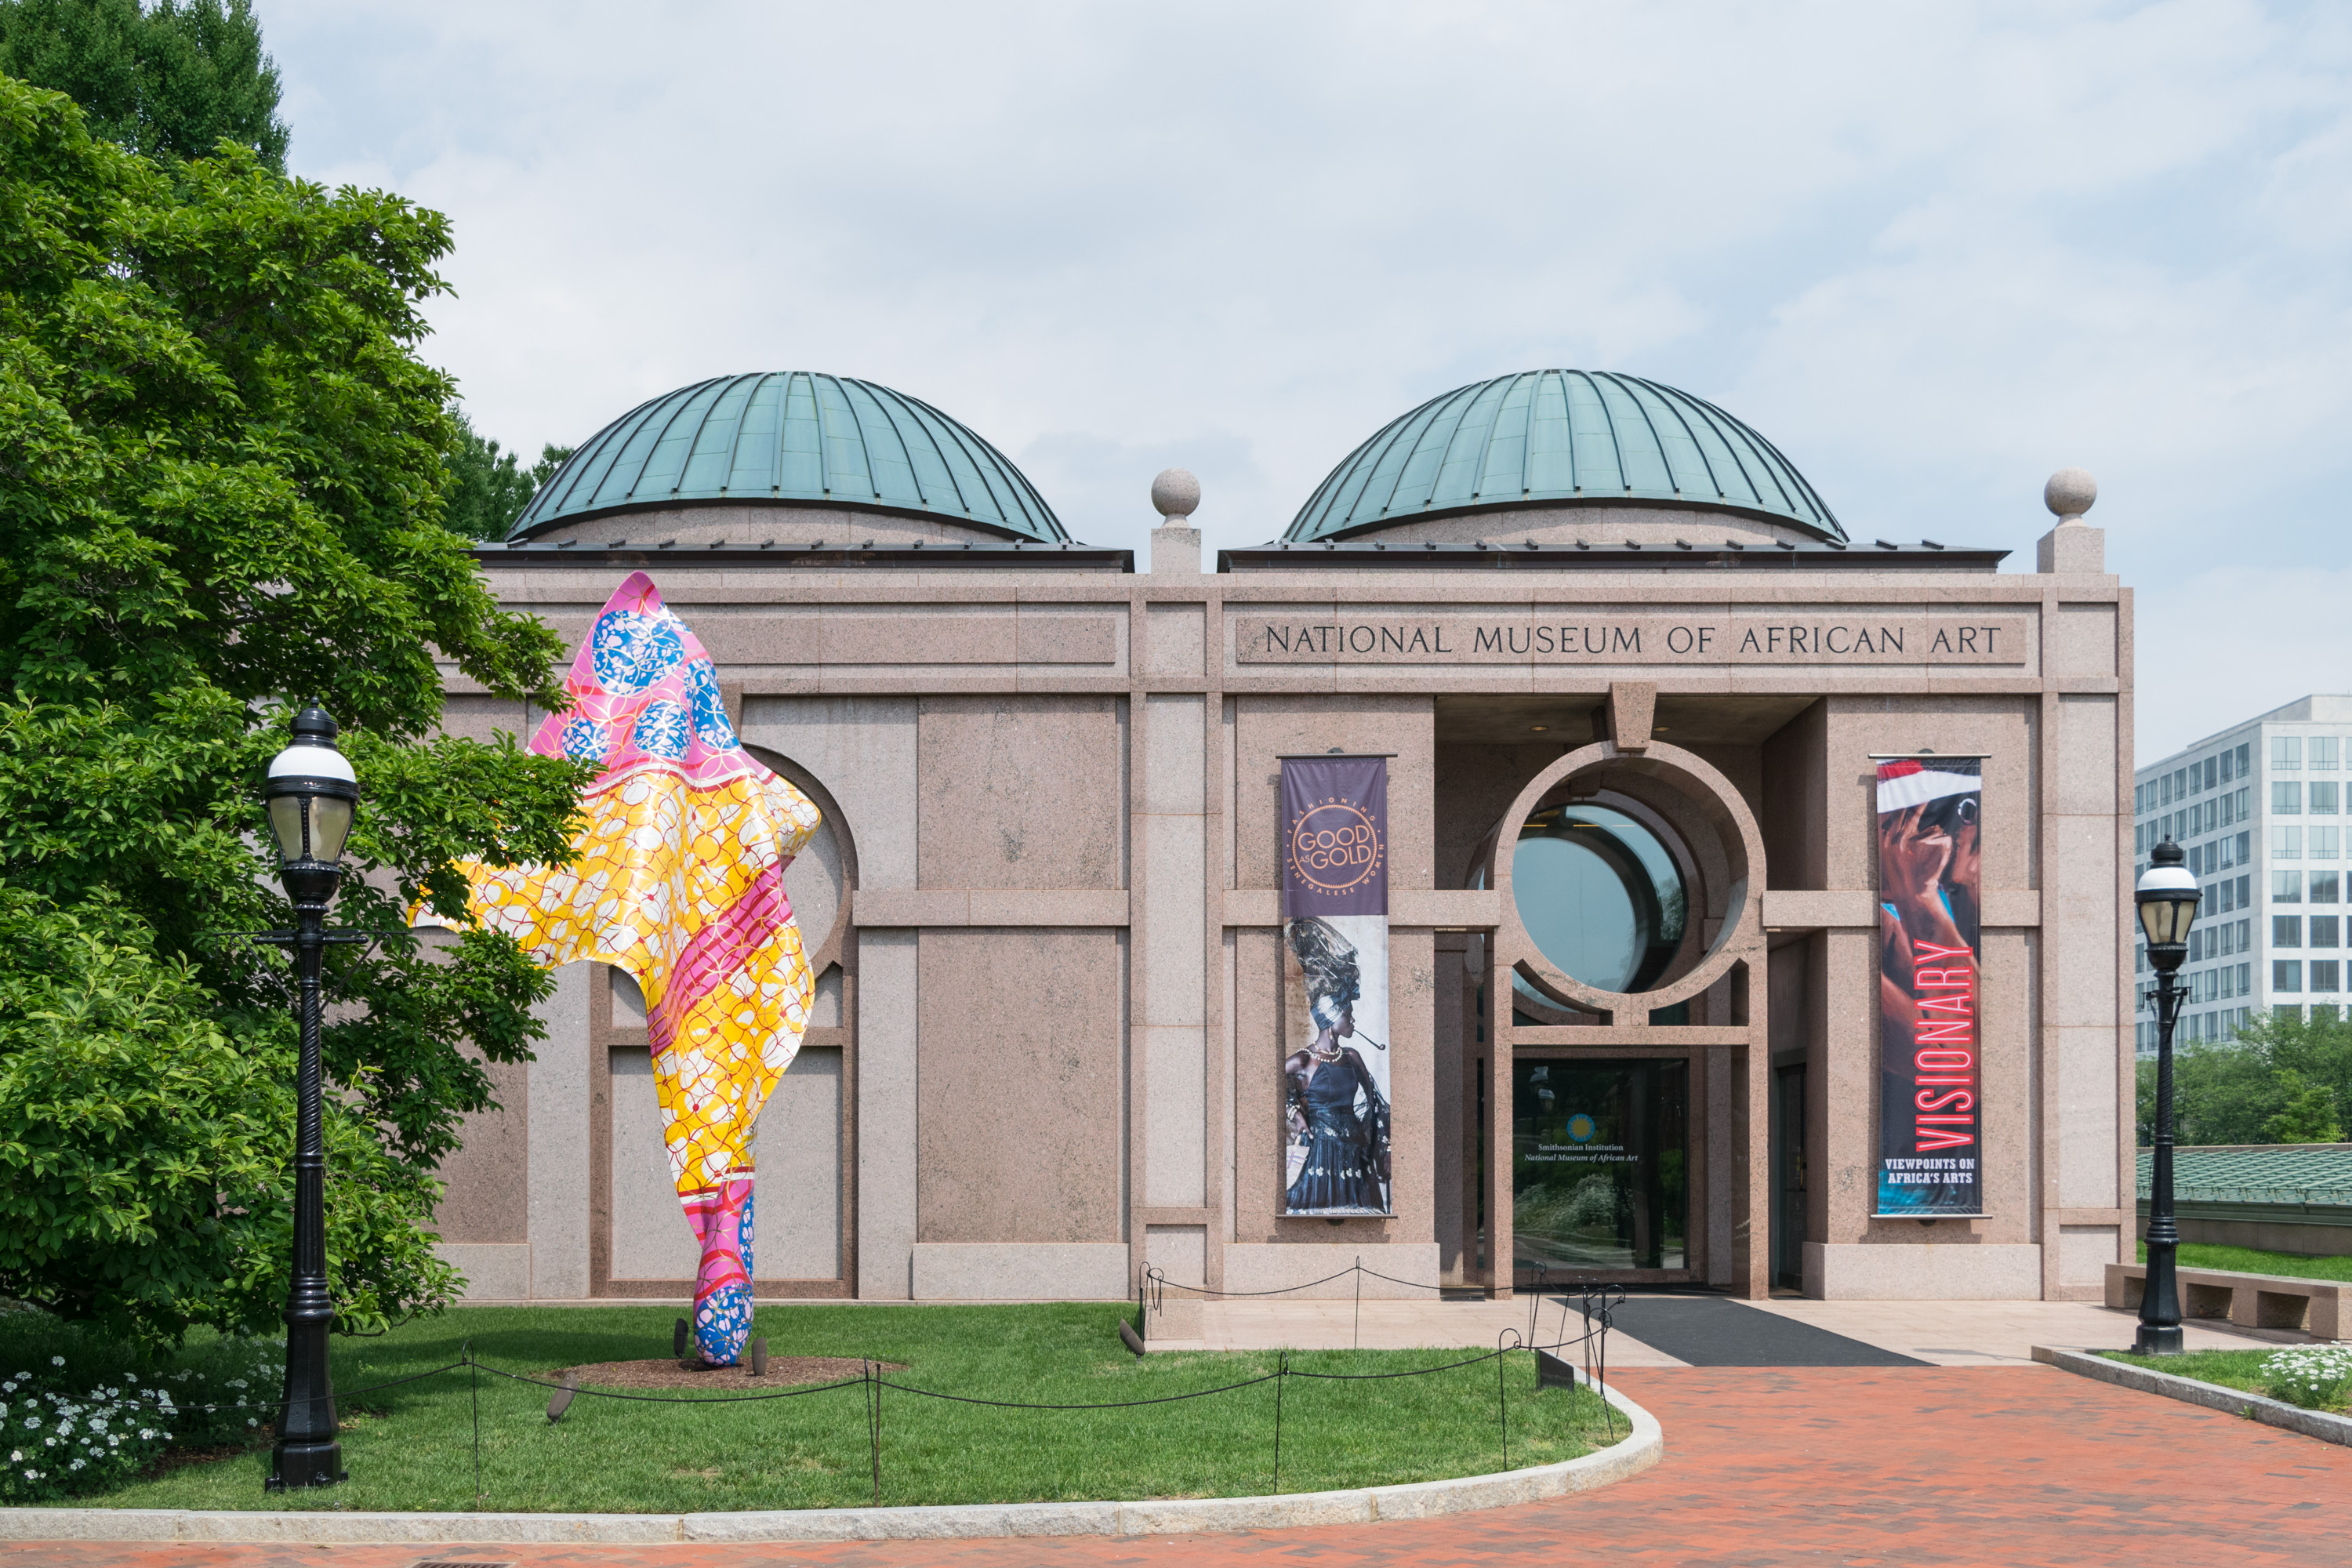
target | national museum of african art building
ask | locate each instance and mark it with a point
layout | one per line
(1560, 851)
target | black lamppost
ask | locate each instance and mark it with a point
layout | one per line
(2167, 908)
(311, 795)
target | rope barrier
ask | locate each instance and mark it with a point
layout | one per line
(1598, 1304)
(676, 1399)
(1112, 1404)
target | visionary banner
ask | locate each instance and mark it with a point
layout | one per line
(1930, 931)
(1335, 945)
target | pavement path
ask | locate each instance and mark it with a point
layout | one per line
(1946, 1334)
(1852, 1466)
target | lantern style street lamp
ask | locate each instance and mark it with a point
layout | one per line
(311, 795)
(2167, 908)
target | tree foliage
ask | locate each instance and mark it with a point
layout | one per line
(489, 487)
(221, 491)
(2309, 1115)
(171, 78)
(2282, 1080)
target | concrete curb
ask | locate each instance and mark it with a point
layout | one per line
(2260, 1407)
(1365, 1505)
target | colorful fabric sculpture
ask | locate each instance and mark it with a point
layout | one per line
(679, 878)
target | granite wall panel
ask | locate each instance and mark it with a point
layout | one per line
(1019, 1106)
(1023, 792)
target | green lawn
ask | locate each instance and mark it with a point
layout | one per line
(2230, 1369)
(2246, 1260)
(412, 1447)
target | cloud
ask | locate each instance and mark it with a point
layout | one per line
(1933, 252)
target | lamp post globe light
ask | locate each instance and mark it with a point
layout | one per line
(311, 795)
(2167, 908)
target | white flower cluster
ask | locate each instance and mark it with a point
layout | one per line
(62, 1441)
(2314, 1376)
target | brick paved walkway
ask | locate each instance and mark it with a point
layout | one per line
(1909, 1466)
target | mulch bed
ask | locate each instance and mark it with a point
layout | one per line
(664, 1373)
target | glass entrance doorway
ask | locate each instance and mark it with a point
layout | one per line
(1599, 1163)
(1787, 1153)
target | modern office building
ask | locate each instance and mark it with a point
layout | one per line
(1757, 892)
(2260, 809)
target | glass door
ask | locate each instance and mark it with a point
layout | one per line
(1789, 1177)
(1599, 1163)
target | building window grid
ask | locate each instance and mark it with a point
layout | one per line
(2170, 805)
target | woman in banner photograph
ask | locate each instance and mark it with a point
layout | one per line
(1346, 1155)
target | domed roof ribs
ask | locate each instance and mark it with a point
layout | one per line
(735, 445)
(1714, 480)
(1694, 456)
(1805, 488)
(1435, 408)
(1006, 504)
(1566, 426)
(1444, 458)
(1666, 459)
(1730, 445)
(1354, 469)
(824, 437)
(1528, 430)
(1485, 442)
(859, 400)
(679, 449)
(618, 472)
(675, 415)
(864, 451)
(1020, 509)
(1783, 471)
(1616, 447)
(878, 393)
(576, 467)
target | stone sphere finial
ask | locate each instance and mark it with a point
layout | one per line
(1175, 494)
(2070, 493)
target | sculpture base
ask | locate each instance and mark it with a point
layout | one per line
(2155, 1341)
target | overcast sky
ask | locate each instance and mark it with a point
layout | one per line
(1932, 252)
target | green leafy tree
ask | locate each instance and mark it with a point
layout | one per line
(221, 492)
(2236, 1092)
(171, 78)
(489, 487)
(2309, 1115)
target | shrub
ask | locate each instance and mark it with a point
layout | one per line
(2312, 1376)
(65, 1431)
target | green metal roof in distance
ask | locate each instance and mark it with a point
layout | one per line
(2318, 1175)
(1560, 436)
(793, 436)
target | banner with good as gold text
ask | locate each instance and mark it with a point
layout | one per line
(1334, 963)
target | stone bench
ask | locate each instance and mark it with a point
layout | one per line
(2318, 1307)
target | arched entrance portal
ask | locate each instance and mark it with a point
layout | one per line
(1615, 997)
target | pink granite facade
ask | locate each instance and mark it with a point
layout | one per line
(1044, 910)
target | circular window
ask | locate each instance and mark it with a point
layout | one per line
(1600, 895)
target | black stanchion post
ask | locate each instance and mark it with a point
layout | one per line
(1281, 1375)
(873, 1425)
(1502, 1395)
(1356, 1341)
(476, 1372)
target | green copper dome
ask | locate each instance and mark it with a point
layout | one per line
(1556, 437)
(793, 436)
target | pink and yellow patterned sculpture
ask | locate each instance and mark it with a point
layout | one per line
(679, 879)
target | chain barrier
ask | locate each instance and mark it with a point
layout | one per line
(1598, 1303)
